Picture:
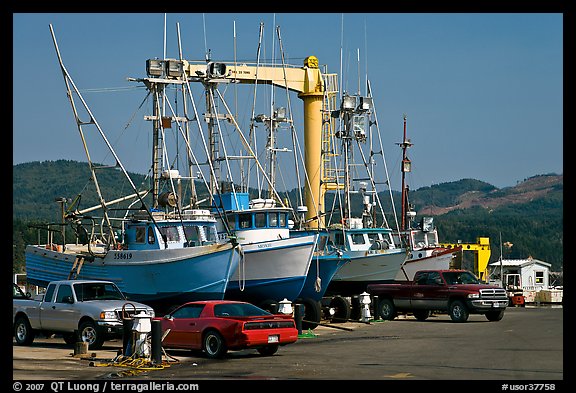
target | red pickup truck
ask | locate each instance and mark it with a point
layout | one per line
(457, 292)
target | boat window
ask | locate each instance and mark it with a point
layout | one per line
(141, 234)
(231, 221)
(211, 234)
(432, 239)
(245, 221)
(260, 219)
(373, 236)
(339, 239)
(419, 239)
(151, 237)
(170, 233)
(273, 220)
(321, 243)
(358, 238)
(283, 220)
(192, 236)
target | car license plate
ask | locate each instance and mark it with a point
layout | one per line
(273, 339)
(496, 304)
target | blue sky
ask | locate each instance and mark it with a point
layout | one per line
(483, 92)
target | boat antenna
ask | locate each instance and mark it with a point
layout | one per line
(164, 52)
(406, 167)
(206, 51)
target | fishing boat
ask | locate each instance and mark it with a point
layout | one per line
(275, 264)
(357, 249)
(421, 239)
(162, 255)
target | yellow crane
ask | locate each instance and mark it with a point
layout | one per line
(481, 251)
(308, 82)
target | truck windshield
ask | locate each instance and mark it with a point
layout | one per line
(97, 291)
(460, 278)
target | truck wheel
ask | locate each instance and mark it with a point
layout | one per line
(495, 316)
(213, 345)
(341, 309)
(23, 332)
(312, 313)
(90, 334)
(387, 309)
(421, 315)
(458, 311)
(70, 338)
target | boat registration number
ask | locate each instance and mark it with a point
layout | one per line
(273, 339)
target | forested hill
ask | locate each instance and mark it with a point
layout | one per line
(529, 215)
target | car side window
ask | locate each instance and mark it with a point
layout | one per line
(228, 310)
(192, 311)
(422, 279)
(49, 292)
(434, 279)
(63, 292)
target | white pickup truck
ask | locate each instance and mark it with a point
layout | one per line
(87, 310)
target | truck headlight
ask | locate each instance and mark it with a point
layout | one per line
(473, 296)
(107, 315)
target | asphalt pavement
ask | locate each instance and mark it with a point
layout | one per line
(526, 346)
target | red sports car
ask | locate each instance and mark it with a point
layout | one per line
(216, 326)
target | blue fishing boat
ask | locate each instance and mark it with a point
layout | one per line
(161, 255)
(275, 265)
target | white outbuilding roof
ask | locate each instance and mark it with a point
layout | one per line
(521, 262)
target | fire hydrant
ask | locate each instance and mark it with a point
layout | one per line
(365, 310)
(285, 307)
(140, 329)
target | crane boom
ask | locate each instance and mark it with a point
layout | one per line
(307, 81)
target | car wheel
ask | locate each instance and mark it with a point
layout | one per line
(495, 316)
(213, 345)
(23, 332)
(89, 333)
(458, 311)
(268, 350)
(386, 309)
(341, 307)
(421, 315)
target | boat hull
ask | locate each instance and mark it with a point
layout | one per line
(274, 270)
(159, 278)
(325, 269)
(438, 260)
(361, 270)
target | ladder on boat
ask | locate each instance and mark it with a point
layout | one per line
(76, 267)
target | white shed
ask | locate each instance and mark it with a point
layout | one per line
(530, 274)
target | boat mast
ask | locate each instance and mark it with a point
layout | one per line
(406, 167)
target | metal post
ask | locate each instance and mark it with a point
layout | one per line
(156, 341)
(376, 306)
(127, 345)
(298, 308)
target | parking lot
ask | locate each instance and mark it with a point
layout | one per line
(526, 345)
